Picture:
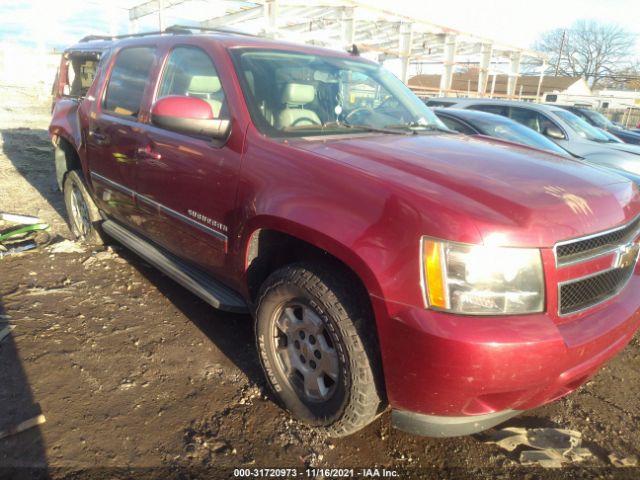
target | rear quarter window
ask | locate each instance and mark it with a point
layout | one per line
(129, 77)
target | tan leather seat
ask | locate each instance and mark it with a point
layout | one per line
(295, 96)
(205, 87)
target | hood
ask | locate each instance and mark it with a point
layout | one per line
(626, 147)
(622, 132)
(528, 196)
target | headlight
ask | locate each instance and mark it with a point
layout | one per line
(482, 280)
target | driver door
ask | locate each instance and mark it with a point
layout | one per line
(187, 183)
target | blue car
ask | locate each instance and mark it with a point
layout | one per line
(599, 120)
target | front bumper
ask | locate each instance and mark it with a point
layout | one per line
(442, 426)
(450, 375)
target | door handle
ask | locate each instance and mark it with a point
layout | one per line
(148, 154)
(99, 138)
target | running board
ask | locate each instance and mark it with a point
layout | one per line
(207, 288)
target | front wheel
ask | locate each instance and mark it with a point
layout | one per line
(317, 346)
(84, 217)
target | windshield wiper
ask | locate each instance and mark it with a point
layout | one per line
(416, 127)
(368, 128)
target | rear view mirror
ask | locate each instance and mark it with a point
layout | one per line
(189, 115)
(554, 132)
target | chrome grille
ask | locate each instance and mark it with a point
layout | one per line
(585, 293)
(574, 251)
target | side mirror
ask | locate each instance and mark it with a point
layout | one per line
(554, 132)
(189, 115)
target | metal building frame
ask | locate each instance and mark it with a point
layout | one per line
(340, 24)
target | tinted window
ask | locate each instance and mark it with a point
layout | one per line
(580, 114)
(456, 125)
(552, 98)
(581, 127)
(497, 109)
(529, 118)
(597, 119)
(190, 72)
(514, 132)
(129, 77)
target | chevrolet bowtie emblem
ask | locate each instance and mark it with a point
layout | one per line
(626, 255)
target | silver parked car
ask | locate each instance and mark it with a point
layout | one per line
(475, 122)
(564, 128)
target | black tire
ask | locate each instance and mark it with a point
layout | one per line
(340, 317)
(80, 206)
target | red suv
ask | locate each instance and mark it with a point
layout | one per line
(385, 259)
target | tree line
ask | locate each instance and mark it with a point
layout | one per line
(604, 54)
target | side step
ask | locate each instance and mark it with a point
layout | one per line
(193, 279)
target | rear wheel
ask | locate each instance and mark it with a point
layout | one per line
(319, 358)
(84, 217)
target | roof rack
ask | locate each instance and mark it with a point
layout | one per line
(216, 29)
(173, 29)
(90, 38)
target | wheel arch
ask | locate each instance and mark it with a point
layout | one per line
(67, 158)
(273, 243)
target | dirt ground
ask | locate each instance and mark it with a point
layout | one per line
(138, 378)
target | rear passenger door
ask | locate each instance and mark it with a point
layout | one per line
(187, 183)
(114, 132)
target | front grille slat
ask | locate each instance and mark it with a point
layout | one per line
(582, 248)
(585, 292)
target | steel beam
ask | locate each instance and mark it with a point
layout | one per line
(485, 62)
(542, 69)
(271, 18)
(318, 16)
(405, 44)
(348, 23)
(514, 72)
(235, 17)
(152, 6)
(448, 61)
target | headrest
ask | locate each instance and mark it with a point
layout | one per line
(298, 93)
(204, 84)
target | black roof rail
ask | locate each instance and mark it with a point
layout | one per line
(90, 38)
(173, 29)
(216, 29)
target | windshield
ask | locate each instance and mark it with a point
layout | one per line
(515, 132)
(295, 94)
(581, 127)
(598, 119)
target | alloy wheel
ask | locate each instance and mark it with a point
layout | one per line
(306, 352)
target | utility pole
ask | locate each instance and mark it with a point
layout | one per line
(564, 34)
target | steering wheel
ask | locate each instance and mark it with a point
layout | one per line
(358, 110)
(304, 119)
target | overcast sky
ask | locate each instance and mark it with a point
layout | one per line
(519, 22)
(56, 23)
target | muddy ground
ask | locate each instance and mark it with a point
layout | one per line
(138, 378)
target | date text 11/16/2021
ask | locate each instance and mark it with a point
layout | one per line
(315, 473)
